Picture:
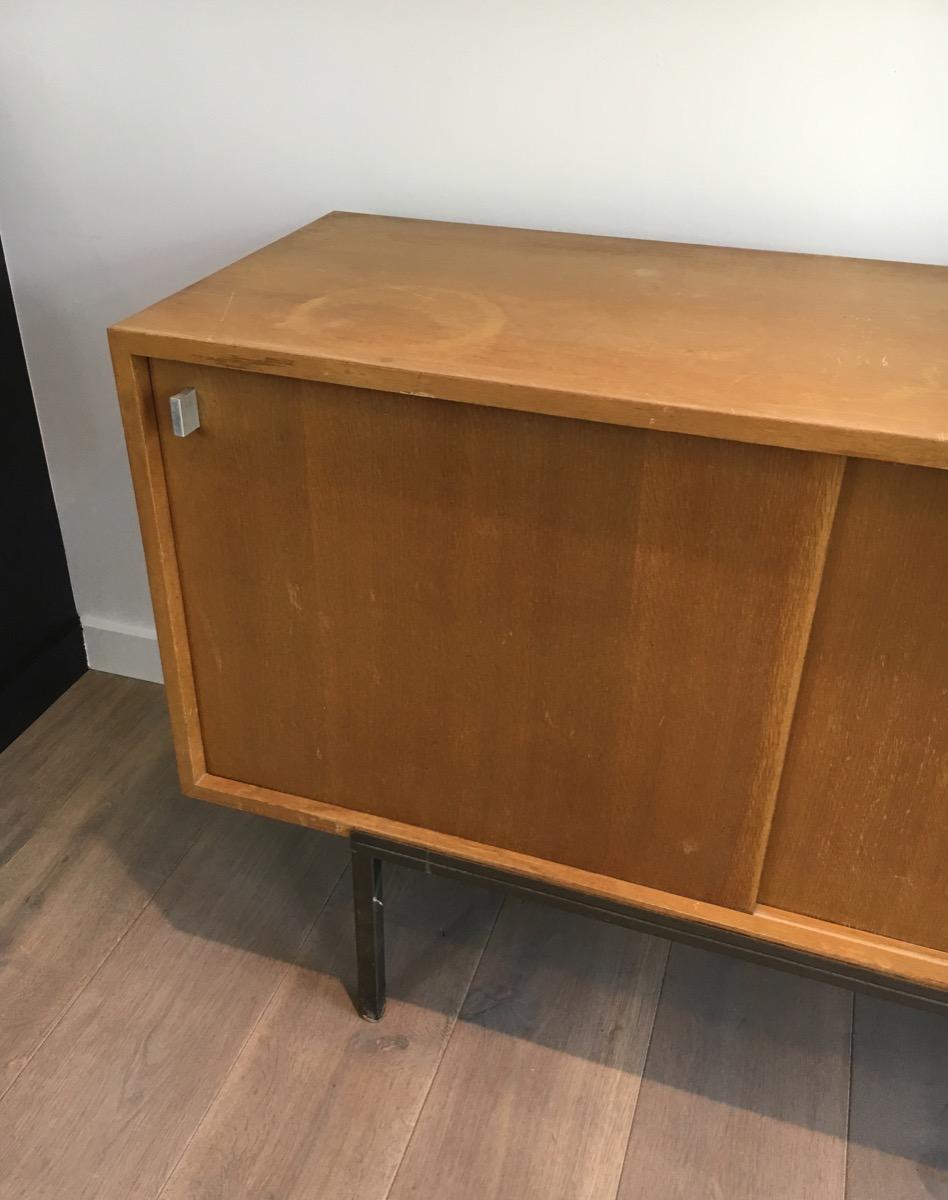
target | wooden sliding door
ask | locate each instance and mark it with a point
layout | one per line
(861, 830)
(570, 639)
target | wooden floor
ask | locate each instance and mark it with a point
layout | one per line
(175, 1022)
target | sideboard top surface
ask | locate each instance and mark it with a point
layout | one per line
(846, 356)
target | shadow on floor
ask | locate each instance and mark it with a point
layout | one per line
(728, 1030)
(725, 1030)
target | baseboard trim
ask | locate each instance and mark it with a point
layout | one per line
(121, 649)
(39, 682)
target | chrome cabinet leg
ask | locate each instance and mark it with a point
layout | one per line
(369, 933)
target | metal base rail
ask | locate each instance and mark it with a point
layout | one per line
(369, 852)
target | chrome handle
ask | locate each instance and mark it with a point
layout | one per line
(185, 417)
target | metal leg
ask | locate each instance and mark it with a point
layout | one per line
(369, 933)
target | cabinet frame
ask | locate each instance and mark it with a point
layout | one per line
(768, 934)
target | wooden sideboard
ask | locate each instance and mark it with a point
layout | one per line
(615, 568)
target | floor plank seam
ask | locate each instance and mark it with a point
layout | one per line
(264, 1009)
(849, 1094)
(729, 1078)
(444, 1049)
(80, 991)
(648, 1051)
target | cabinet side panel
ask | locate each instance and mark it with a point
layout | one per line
(134, 386)
(860, 835)
(572, 640)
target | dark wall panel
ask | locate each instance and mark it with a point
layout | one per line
(41, 649)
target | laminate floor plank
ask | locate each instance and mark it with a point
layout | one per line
(322, 1103)
(88, 729)
(174, 1021)
(898, 1130)
(745, 1094)
(79, 707)
(536, 1091)
(106, 1106)
(76, 885)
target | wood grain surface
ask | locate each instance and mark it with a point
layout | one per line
(818, 353)
(206, 1039)
(84, 731)
(537, 1089)
(746, 1087)
(87, 855)
(322, 1103)
(108, 1103)
(133, 383)
(898, 1128)
(861, 830)
(552, 636)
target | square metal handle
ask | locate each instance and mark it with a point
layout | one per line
(185, 417)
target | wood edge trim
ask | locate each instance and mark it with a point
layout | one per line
(136, 402)
(814, 928)
(884, 445)
(859, 949)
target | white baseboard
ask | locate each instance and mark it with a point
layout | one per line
(122, 649)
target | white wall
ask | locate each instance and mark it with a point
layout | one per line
(144, 144)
